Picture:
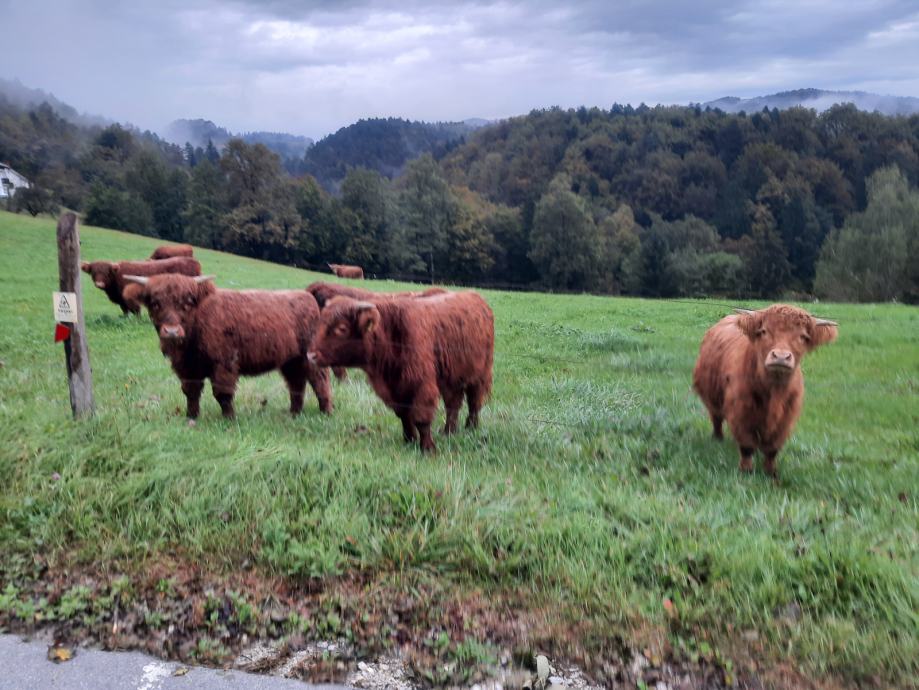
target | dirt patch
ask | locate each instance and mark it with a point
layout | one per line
(367, 632)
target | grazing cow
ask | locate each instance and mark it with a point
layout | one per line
(323, 292)
(749, 374)
(414, 351)
(170, 251)
(346, 271)
(221, 335)
(108, 276)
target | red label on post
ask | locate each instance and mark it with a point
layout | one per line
(61, 332)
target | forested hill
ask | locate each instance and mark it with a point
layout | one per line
(669, 201)
(710, 192)
(819, 100)
(384, 145)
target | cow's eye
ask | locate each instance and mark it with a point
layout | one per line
(805, 337)
(761, 332)
(341, 329)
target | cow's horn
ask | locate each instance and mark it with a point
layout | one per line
(825, 322)
(361, 306)
(744, 311)
(203, 279)
(140, 280)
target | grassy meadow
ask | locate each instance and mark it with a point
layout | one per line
(592, 485)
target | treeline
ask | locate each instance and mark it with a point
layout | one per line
(658, 202)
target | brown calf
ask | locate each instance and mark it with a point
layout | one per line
(346, 271)
(323, 292)
(224, 334)
(108, 276)
(414, 351)
(749, 374)
(170, 251)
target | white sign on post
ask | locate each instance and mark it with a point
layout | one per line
(65, 307)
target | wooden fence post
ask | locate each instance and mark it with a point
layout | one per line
(76, 351)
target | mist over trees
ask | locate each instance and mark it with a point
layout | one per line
(662, 202)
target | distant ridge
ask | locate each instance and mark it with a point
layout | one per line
(26, 98)
(819, 100)
(199, 131)
(385, 145)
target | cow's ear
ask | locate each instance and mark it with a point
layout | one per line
(823, 332)
(85, 267)
(749, 322)
(368, 316)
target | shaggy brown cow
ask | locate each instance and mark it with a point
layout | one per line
(414, 351)
(346, 271)
(170, 251)
(108, 276)
(224, 334)
(749, 374)
(323, 292)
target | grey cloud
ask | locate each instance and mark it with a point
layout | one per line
(311, 67)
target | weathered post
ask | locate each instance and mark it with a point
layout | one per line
(76, 351)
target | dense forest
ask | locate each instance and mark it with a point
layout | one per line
(381, 144)
(665, 201)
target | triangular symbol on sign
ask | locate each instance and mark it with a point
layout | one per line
(64, 303)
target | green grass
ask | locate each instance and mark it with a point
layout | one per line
(592, 484)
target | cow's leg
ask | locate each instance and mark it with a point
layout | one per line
(717, 423)
(409, 432)
(340, 373)
(746, 459)
(192, 389)
(131, 297)
(453, 401)
(769, 464)
(294, 374)
(322, 387)
(223, 385)
(423, 411)
(475, 398)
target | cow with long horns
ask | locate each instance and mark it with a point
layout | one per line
(109, 276)
(749, 375)
(224, 334)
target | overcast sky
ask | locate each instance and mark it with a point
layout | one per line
(311, 67)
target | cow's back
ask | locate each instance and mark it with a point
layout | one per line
(183, 265)
(257, 330)
(461, 327)
(169, 251)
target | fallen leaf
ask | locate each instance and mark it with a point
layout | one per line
(669, 607)
(60, 654)
(181, 671)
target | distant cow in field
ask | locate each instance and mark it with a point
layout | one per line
(108, 276)
(346, 271)
(749, 374)
(414, 352)
(323, 292)
(170, 251)
(221, 335)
